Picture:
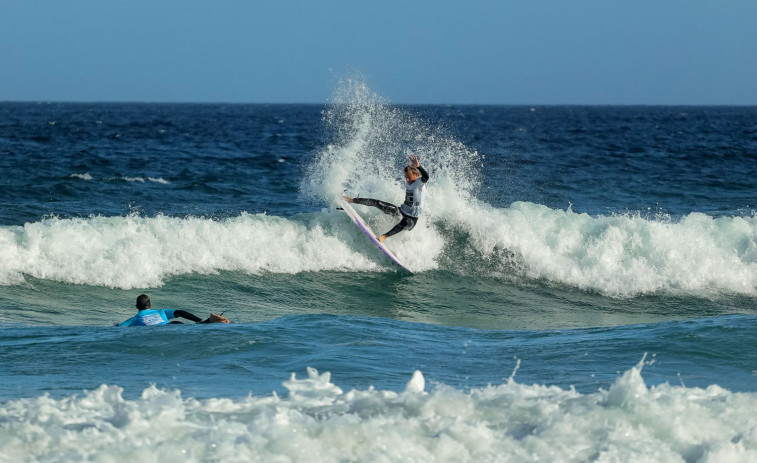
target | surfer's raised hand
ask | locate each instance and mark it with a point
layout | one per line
(414, 161)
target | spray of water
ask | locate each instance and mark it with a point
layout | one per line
(370, 141)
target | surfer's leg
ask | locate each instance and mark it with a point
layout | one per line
(407, 223)
(383, 206)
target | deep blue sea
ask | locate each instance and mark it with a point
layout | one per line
(584, 289)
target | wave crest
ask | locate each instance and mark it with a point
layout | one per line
(617, 255)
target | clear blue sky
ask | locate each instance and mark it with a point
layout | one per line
(410, 51)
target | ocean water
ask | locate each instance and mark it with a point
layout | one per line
(584, 288)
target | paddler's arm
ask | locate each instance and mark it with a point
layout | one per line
(213, 318)
(187, 315)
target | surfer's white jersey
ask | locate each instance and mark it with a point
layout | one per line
(414, 192)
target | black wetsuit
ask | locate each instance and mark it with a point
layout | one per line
(188, 316)
(408, 221)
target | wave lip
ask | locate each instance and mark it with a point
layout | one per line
(621, 255)
(137, 252)
(618, 255)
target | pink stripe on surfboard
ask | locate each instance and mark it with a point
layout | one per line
(359, 221)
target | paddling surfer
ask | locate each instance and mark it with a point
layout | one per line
(146, 316)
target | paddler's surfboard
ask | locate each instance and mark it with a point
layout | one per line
(367, 230)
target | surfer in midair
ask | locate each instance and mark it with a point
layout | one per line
(415, 179)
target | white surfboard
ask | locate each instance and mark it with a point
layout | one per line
(367, 230)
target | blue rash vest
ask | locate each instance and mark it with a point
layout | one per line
(150, 317)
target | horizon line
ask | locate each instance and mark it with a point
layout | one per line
(147, 102)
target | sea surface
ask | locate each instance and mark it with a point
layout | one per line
(584, 284)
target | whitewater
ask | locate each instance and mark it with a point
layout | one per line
(620, 255)
(321, 422)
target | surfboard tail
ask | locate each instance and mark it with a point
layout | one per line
(360, 222)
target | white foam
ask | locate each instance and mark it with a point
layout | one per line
(621, 255)
(85, 176)
(133, 251)
(318, 421)
(160, 180)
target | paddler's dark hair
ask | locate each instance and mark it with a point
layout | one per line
(143, 302)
